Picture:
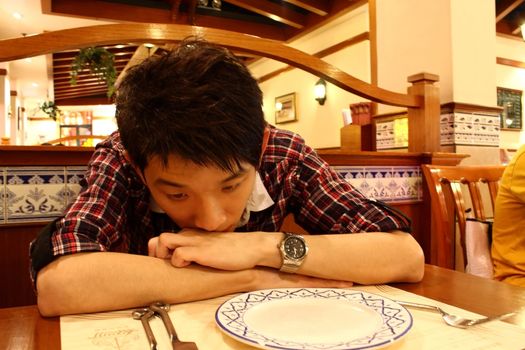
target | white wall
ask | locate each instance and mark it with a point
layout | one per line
(473, 47)
(319, 125)
(511, 78)
(413, 36)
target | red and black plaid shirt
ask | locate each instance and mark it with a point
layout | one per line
(112, 213)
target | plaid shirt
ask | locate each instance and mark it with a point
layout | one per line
(112, 211)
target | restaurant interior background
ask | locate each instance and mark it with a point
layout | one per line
(470, 44)
(381, 42)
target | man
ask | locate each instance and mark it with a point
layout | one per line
(197, 180)
(508, 238)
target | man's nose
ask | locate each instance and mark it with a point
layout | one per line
(210, 215)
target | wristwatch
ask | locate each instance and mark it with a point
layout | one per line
(293, 251)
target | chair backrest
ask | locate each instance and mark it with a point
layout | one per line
(458, 192)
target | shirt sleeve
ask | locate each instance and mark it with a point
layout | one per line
(331, 204)
(97, 217)
(95, 220)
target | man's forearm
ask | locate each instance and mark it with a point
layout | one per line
(91, 282)
(365, 258)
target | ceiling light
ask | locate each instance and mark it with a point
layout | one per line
(17, 15)
(34, 84)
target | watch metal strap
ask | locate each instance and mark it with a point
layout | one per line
(289, 266)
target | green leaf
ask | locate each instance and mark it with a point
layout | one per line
(99, 62)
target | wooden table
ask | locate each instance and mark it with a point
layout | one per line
(24, 328)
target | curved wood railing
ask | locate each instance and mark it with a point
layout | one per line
(76, 138)
(422, 99)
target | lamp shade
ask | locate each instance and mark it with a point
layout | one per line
(320, 91)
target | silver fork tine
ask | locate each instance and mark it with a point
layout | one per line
(489, 319)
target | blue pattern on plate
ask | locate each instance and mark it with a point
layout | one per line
(396, 319)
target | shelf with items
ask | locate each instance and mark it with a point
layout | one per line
(76, 123)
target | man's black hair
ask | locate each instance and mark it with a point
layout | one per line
(198, 102)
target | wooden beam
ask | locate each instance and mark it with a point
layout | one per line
(82, 93)
(75, 90)
(318, 7)
(66, 85)
(509, 62)
(338, 8)
(504, 7)
(90, 100)
(271, 10)
(323, 53)
(129, 13)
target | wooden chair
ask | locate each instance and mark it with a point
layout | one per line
(457, 192)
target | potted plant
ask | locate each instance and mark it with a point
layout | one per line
(100, 63)
(51, 109)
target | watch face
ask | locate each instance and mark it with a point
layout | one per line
(294, 248)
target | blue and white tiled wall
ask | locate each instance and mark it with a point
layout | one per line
(392, 183)
(30, 194)
(456, 129)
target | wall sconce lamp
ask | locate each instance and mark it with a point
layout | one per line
(320, 91)
(149, 46)
(522, 27)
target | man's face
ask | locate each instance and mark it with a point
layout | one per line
(199, 197)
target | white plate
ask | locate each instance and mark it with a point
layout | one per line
(313, 318)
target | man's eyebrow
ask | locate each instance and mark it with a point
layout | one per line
(238, 173)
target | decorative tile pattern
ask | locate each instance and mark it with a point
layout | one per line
(392, 134)
(470, 129)
(447, 129)
(385, 135)
(34, 193)
(395, 183)
(42, 193)
(456, 129)
(73, 176)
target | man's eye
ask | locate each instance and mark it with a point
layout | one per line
(177, 196)
(231, 188)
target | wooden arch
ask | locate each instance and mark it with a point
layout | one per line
(422, 99)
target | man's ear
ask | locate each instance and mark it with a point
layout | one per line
(139, 172)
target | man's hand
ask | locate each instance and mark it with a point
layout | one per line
(220, 250)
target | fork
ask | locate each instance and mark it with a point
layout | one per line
(454, 320)
(162, 310)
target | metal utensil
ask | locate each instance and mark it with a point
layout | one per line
(162, 310)
(144, 316)
(454, 320)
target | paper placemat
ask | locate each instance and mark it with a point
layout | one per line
(196, 322)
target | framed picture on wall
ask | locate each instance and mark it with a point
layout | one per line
(285, 109)
(510, 100)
